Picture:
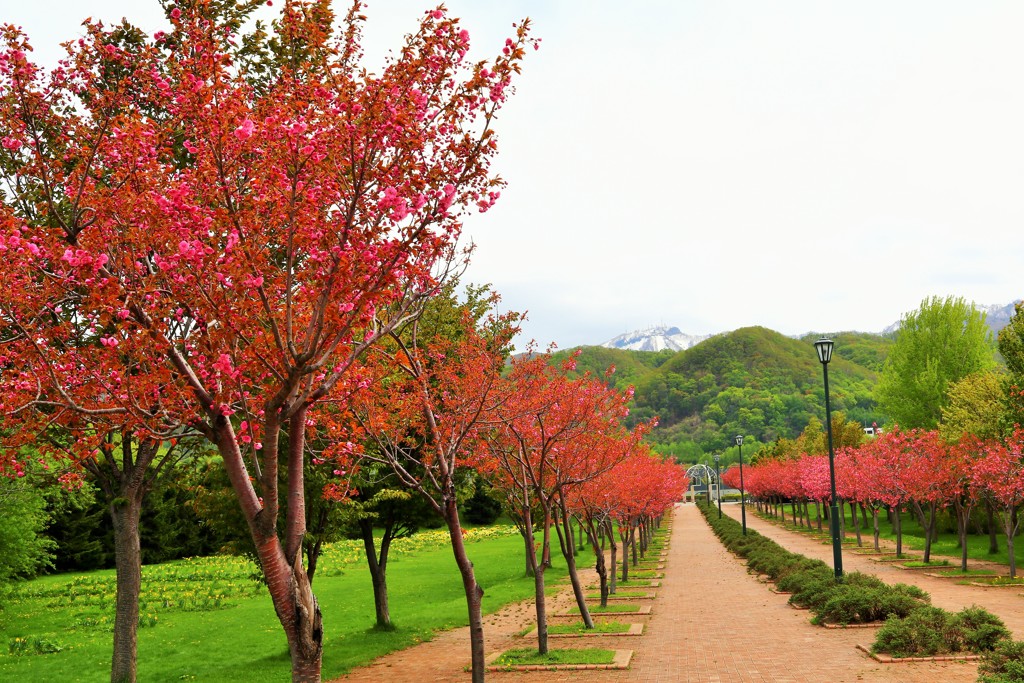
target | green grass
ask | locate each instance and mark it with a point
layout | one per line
(240, 639)
(525, 657)
(946, 544)
(619, 594)
(1002, 581)
(599, 627)
(969, 572)
(921, 563)
(610, 608)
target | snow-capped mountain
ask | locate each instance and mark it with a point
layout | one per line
(655, 338)
(997, 316)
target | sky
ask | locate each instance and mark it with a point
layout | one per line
(807, 166)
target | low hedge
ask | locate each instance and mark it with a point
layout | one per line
(913, 628)
(929, 631)
(1003, 664)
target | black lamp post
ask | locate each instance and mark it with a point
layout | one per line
(824, 347)
(743, 491)
(718, 480)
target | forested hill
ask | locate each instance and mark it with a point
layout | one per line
(752, 381)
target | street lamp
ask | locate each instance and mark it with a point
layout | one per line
(718, 479)
(824, 347)
(743, 491)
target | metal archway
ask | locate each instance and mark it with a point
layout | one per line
(702, 474)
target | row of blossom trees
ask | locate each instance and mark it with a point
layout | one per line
(552, 445)
(915, 470)
(229, 239)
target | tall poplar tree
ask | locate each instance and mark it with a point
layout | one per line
(940, 343)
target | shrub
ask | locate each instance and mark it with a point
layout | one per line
(852, 604)
(1003, 664)
(815, 593)
(794, 582)
(976, 629)
(919, 634)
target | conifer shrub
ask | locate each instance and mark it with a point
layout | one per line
(929, 631)
(1003, 664)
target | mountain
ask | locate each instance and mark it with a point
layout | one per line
(751, 381)
(657, 338)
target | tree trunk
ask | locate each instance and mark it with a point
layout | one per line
(529, 549)
(539, 597)
(595, 534)
(294, 602)
(125, 512)
(546, 554)
(874, 519)
(624, 536)
(378, 572)
(993, 538)
(610, 534)
(898, 527)
(1009, 526)
(856, 523)
(963, 516)
(474, 593)
(565, 540)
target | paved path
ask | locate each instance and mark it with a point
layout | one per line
(714, 622)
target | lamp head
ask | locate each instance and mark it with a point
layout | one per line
(739, 439)
(824, 347)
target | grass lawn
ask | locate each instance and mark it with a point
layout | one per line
(610, 608)
(619, 594)
(922, 564)
(970, 572)
(599, 627)
(525, 657)
(211, 623)
(946, 545)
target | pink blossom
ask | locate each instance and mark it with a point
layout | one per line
(244, 131)
(175, 13)
(11, 143)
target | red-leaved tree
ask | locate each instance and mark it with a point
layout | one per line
(233, 242)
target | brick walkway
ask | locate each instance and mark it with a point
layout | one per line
(713, 622)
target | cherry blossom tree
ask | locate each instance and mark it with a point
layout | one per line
(234, 242)
(999, 472)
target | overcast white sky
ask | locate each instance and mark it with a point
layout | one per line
(711, 164)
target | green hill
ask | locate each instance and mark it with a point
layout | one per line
(752, 381)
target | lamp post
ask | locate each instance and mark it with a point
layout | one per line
(743, 491)
(718, 480)
(824, 347)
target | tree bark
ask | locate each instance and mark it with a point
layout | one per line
(474, 593)
(609, 532)
(565, 540)
(125, 512)
(378, 564)
(290, 591)
(993, 538)
(539, 597)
